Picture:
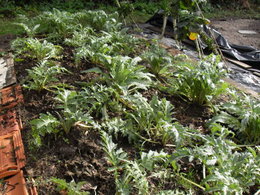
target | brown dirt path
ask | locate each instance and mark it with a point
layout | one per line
(230, 27)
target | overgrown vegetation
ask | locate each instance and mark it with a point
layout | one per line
(168, 157)
(140, 10)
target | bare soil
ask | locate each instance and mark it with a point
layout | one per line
(5, 41)
(229, 29)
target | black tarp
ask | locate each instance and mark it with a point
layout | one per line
(246, 54)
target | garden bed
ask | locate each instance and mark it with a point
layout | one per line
(79, 155)
(123, 116)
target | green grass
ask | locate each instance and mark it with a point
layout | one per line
(220, 13)
(140, 17)
(7, 26)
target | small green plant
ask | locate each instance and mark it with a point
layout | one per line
(30, 29)
(127, 76)
(31, 32)
(148, 121)
(58, 25)
(224, 169)
(243, 116)
(154, 117)
(101, 100)
(71, 188)
(45, 124)
(124, 74)
(35, 49)
(43, 76)
(158, 60)
(134, 172)
(202, 83)
(80, 37)
(95, 48)
(99, 20)
(155, 110)
(116, 158)
(70, 112)
(137, 175)
(123, 42)
(227, 170)
(119, 127)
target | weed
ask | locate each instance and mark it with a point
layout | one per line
(71, 188)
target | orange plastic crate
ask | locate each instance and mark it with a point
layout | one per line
(12, 157)
(9, 121)
(10, 97)
(14, 185)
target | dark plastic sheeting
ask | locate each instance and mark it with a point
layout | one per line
(246, 54)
